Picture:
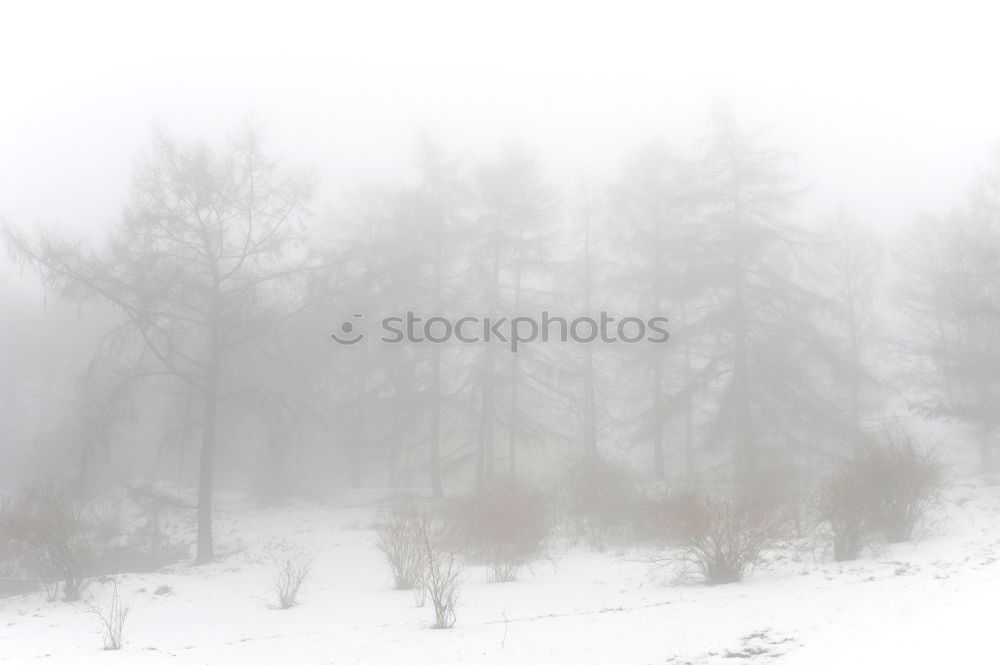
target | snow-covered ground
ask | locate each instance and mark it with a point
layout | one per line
(933, 601)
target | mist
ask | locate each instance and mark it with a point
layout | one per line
(530, 333)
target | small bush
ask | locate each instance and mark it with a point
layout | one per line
(901, 481)
(504, 566)
(419, 596)
(13, 576)
(722, 535)
(50, 533)
(600, 496)
(112, 620)
(505, 527)
(149, 545)
(51, 522)
(51, 590)
(398, 535)
(442, 576)
(845, 507)
(110, 518)
(290, 574)
(888, 487)
(790, 492)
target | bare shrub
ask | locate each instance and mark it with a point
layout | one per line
(110, 518)
(789, 492)
(723, 534)
(148, 540)
(112, 620)
(600, 496)
(507, 527)
(504, 563)
(398, 534)
(443, 583)
(290, 573)
(51, 533)
(901, 481)
(442, 577)
(419, 596)
(13, 578)
(7, 519)
(845, 507)
(888, 487)
(51, 590)
(51, 522)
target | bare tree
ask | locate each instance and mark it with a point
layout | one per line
(194, 268)
(516, 206)
(950, 292)
(761, 314)
(850, 258)
(438, 206)
(657, 202)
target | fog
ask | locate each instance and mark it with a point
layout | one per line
(887, 109)
(628, 333)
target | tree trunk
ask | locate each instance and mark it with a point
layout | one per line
(658, 466)
(206, 547)
(435, 454)
(484, 452)
(745, 455)
(590, 399)
(513, 422)
(356, 444)
(590, 405)
(688, 414)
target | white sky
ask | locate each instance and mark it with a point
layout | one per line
(890, 107)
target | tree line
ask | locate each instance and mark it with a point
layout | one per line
(793, 342)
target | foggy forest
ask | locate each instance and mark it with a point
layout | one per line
(647, 393)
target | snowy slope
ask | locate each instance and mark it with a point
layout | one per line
(927, 602)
